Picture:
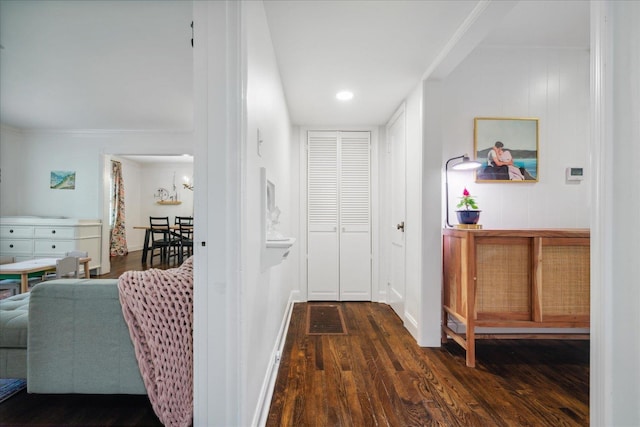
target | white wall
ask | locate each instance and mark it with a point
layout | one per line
(265, 294)
(11, 195)
(550, 84)
(29, 167)
(615, 376)
(431, 288)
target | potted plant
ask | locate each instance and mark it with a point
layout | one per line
(470, 214)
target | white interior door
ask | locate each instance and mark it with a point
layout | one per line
(396, 285)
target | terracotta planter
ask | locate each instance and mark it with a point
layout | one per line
(468, 216)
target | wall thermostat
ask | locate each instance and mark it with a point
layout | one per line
(575, 174)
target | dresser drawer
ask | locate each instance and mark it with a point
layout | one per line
(18, 232)
(16, 246)
(53, 247)
(54, 232)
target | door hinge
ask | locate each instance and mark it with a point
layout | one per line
(191, 33)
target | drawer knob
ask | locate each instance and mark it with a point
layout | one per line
(11, 246)
(11, 231)
(53, 246)
(53, 231)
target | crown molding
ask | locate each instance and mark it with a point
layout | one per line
(107, 131)
(29, 131)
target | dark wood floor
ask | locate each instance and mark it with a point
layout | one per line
(25, 409)
(377, 375)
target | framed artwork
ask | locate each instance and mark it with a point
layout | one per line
(507, 149)
(63, 180)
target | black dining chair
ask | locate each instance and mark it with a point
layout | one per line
(162, 239)
(187, 220)
(185, 231)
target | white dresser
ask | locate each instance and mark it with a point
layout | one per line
(30, 237)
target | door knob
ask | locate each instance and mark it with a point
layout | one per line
(400, 226)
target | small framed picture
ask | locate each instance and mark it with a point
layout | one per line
(507, 149)
(63, 180)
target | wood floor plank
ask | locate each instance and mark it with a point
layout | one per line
(450, 399)
(501, 400)
(382, 385)
(378, 376)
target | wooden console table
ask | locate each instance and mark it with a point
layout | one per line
(514, 279)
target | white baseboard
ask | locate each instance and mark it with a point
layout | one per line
(266, 392)
(411, 325)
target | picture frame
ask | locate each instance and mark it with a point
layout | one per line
(62, 180)
(507, 148)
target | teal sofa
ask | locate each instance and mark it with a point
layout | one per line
(14, 318)
(78, 341)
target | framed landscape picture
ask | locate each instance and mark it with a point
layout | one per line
(63, 180)
(507, 149)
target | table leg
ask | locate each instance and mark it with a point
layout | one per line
(87, 271)
(24, 283)
(145, 247)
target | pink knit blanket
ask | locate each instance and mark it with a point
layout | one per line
(158, 308)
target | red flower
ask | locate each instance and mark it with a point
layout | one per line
(467, 201)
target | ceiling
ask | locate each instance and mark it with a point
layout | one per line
(129, 64)
(96, 64)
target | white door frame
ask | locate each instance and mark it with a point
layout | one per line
(389, 225)
(219, 395)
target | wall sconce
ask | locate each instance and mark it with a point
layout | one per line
(465, 164)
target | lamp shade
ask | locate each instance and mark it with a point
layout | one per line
(466, 164)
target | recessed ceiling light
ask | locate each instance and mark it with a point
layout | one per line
(345, 95)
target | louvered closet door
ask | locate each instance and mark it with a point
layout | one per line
(339, 237)
(354, 215)
(322, 214)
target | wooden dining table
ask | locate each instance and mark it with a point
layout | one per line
(35, 268)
